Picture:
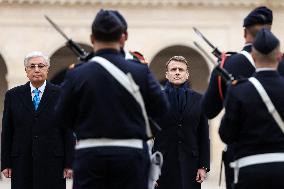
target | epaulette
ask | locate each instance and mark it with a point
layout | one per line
(230, 53)
(223, 58)
(137, 56)
(238, 81)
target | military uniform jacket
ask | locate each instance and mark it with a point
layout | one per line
(184, 143)
(247, 120)
(95, 105)
(237, 65)
(35, 149)
(240, 67)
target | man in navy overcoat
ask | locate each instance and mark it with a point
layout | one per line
(184, 139)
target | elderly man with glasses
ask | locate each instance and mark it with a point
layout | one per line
(36, 154)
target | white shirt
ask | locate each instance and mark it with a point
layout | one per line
(41, 89)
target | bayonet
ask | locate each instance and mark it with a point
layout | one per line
(76, 48)
(215, 51)
(205, 53)
(221, 71)
(56, 27)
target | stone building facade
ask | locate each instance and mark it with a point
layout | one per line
(157, 28)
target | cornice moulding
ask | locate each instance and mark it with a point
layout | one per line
(176, 3)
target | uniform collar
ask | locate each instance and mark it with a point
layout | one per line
(103, 51)
(264, 69)
(248, 47)
(267, 73)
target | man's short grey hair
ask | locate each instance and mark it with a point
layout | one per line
(35, 54)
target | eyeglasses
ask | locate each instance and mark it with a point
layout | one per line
(34, 66)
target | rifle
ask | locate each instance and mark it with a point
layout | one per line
(219, 55)
(75, 48)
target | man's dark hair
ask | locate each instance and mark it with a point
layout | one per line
(107, 27)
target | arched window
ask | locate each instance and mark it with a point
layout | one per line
(3, 85)
(198, 69)
(60, 62)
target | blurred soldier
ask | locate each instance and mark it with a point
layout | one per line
(251, 126)
(184, 139)
(106, 117)
(240, 65)
(35, 153)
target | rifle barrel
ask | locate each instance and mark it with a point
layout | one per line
(56, 27)
(204, 38)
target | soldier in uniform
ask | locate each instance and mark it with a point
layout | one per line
(108, 122)
(184, 139)
(240, 65)
(248, 123)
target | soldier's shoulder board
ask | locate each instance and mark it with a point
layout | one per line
(238, 81)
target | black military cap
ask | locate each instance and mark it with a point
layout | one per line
(265, 41)
(122, 20)
(260, 15)
(107, 26)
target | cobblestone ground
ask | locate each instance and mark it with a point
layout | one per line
(210, 183)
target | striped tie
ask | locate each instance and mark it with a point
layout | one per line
(36, 98)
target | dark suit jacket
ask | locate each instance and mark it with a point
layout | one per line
(35, 149)
(184, 143)
(247, 121)
(97, 106)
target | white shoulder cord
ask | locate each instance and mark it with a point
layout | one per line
(128, 83)
(248, 56)
(267, 101)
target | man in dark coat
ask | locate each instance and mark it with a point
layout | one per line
(248, 123)
(240, 65)
(35, 153)
(111, 152)
(184, 139)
